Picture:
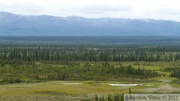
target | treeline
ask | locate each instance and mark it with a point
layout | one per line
(175, 71)
(85, 53)
(117, 97)
(36, 71)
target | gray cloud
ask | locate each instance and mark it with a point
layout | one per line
(167, 11)
(114, 8)
(155, 9)
(21, 8)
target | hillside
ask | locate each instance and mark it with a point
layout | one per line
(13, 24)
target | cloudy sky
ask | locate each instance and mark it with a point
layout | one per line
(154, 9)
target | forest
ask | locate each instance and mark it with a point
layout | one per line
(29, 62)
(75, 62)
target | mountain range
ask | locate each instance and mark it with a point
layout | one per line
(15, 24)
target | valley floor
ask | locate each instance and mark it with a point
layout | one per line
(82, 90)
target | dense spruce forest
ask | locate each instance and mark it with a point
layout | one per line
(36, 61)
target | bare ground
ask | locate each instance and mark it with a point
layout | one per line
(165, 87)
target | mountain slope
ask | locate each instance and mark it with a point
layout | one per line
(13, 24)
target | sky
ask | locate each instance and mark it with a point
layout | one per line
(133, 9)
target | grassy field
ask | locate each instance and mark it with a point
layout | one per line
(79, 90)
(86, 90)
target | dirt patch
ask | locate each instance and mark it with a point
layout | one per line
(164, 88)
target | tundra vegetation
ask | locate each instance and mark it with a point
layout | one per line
(33, 68)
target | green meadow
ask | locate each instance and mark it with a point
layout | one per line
(73, 90)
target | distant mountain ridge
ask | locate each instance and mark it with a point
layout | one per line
(13, 24)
